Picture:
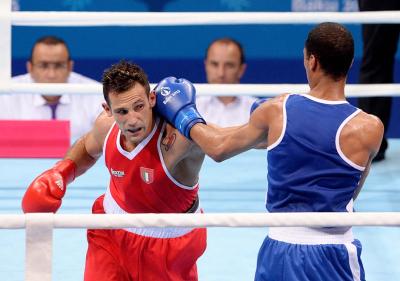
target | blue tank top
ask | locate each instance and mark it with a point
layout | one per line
(307, 171)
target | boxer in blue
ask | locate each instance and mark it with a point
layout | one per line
(320, 150)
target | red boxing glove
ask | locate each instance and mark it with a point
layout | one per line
(44, 194)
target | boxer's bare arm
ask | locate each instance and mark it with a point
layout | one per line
(89, 147)
(370, 132)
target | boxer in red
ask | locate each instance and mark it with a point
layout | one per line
(153, 169)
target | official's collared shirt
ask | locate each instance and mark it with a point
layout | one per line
(233, 114)
(81, 110)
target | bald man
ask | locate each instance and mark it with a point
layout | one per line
(225, 64)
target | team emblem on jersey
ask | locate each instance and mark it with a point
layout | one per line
(147, 175)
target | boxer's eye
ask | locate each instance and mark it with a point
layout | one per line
(121, 111)
(139, 107)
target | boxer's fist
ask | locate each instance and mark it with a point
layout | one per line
(257, 103)
(176, 102)
(44, 194)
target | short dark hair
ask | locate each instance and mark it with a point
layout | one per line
(333, 46)
(121, 77)
(49, 40)
(228, 40)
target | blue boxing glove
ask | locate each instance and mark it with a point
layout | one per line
(176, 102)
(257, 103)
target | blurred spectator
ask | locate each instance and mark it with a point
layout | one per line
(50, 62)
(225, 64)
(379, 50)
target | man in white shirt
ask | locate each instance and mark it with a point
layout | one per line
(50, 62)
(225, 64)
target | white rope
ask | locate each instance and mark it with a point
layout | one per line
(310, 219)
(196, 18)
(352, 90)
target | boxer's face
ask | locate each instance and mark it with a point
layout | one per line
(133, 112)
(223, 63)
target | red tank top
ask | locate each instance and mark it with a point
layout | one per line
(139, 180)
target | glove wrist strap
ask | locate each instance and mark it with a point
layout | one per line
(67, 169)
(186, 119)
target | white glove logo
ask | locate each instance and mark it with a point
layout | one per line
(165, 91)
(60, 183)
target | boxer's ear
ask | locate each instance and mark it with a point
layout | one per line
(152, 98)
(107, 109)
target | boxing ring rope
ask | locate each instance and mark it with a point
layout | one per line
(39, 227)
(195, 18)
(106, 221)
(351, 90)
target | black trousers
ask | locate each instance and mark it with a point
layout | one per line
(377, 66)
